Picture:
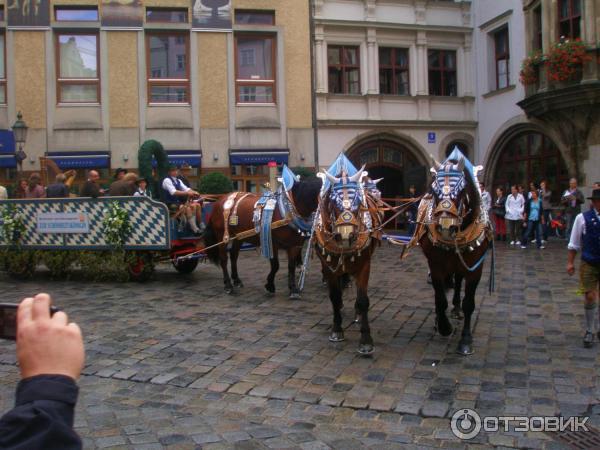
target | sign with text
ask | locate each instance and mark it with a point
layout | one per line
(63, 223)
(431, 137)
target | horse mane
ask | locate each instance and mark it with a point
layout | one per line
(306, 194)
(474, 200)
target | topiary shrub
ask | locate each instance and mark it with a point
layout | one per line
(215, 183)
(149, 149)
(304, 172)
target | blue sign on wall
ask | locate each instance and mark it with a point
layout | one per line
(431, 137)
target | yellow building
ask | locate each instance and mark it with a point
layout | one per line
(222, 84)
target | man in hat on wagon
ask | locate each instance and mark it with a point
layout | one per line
(178, 196)
(585, 236)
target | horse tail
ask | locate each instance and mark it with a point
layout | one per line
(210, 240)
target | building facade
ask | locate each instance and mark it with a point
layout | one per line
(531, 127)
(223, 85)
(394, 85)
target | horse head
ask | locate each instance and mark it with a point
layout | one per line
(454, 196)
(343, 201)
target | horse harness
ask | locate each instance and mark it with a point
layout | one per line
(263, 216)
(366, 221)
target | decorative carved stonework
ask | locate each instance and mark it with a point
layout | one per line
(572, 112)
(370, 10)
(318, 8)
(420, 12)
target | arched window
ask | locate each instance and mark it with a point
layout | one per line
(531, 157)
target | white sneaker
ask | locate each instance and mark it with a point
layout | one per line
(518, 243)
(543, 241)
(512, 242)
(523, 246)
(542, 247)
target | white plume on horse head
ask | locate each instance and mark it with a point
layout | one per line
(331, 178)
(436, 163)
(376, 181)
(358, 175)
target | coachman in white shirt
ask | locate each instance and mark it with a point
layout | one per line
(177, 197)
(585, 236)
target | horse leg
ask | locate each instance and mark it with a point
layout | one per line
(223, 261)
(270, 286)
(456, 309)
(233, 256)
(335, 295)
(365, 346)
(293, 253)
(442, 323)
(465, 345)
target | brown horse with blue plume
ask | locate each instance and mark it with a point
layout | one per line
(273, 220)
(346, 234)
(455, 234)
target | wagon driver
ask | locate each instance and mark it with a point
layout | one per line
(585, 236)
(178, 196)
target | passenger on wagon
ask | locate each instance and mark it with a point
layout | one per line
(177, 196)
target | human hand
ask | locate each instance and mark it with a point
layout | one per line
(570, 268)
(47, 345)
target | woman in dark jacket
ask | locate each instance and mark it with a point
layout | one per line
(534, 217)
(499, 210)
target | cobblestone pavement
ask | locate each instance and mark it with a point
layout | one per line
(176, 363)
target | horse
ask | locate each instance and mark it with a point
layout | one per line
(454, 233)
(299, 202)
(346, 238)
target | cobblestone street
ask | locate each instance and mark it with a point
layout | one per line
(176, 363)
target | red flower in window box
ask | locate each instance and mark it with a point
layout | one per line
(565, 59)
(529, 68)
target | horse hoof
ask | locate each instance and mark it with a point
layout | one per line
(336, 336)
(443, 326)
(269, 293)
(464, 349)
(356, 318)
(294, 295)
(456, 314)
(238, 283)
(366, 349)
(229, 290)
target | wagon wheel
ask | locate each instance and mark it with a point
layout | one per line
(185, 266)
(140, 266)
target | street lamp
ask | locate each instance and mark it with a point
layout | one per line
(19, 129)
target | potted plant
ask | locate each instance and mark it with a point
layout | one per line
(565, 60)
(529, 73)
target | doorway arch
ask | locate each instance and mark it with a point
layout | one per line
(527, 156)
(393, 161)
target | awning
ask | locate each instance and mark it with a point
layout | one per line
(258, 157)
(180, 157)
(7, 142)
(80, 160)
(8, 161)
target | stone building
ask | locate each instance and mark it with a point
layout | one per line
(394, 84)
(224, 85)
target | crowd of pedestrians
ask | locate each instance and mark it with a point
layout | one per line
(124, 184)
(523, 216)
